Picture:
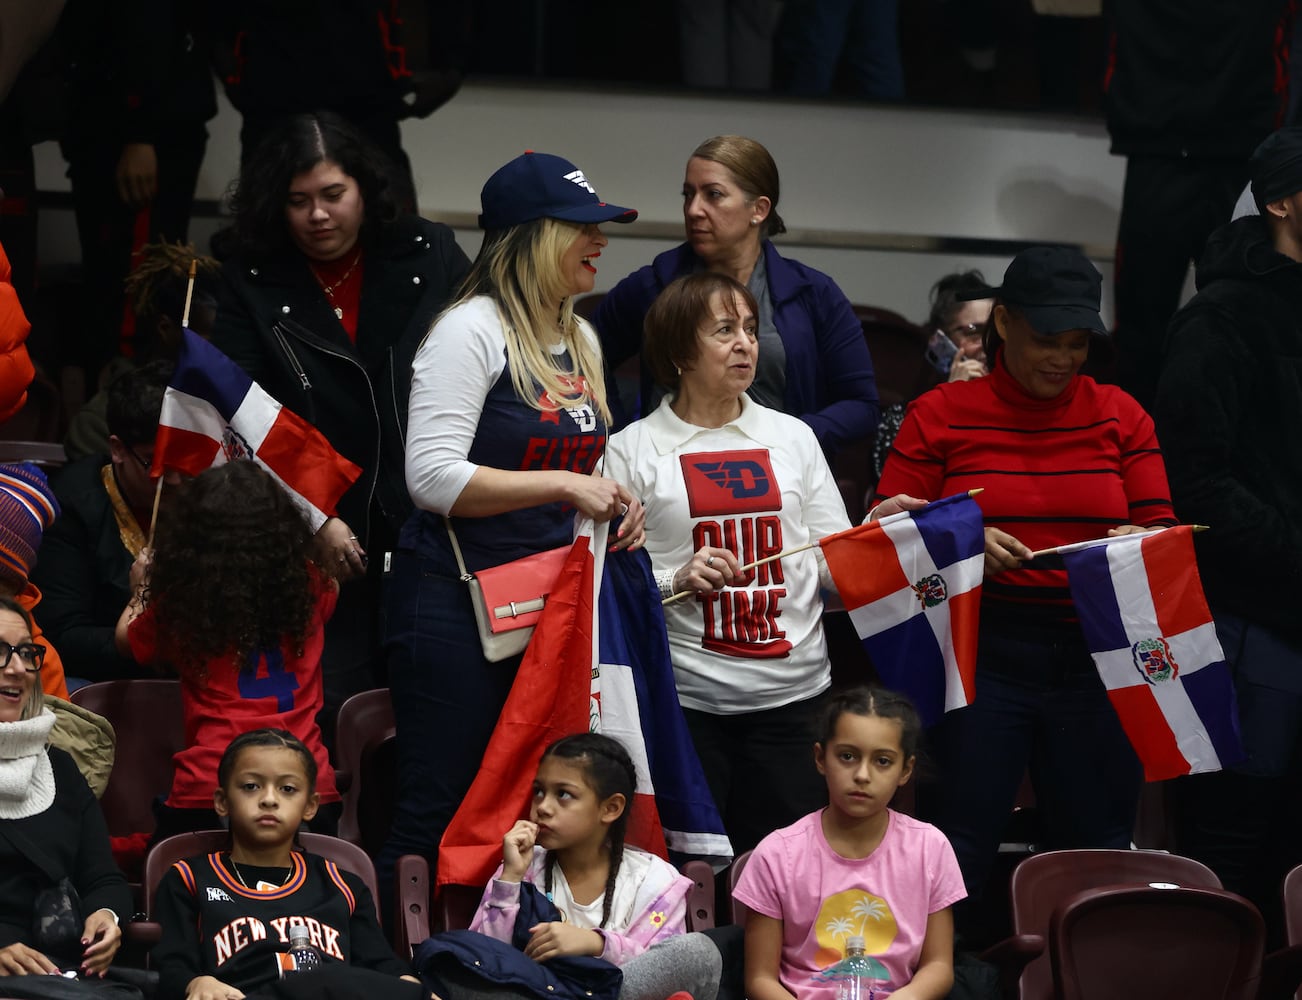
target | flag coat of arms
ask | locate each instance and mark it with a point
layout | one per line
(598, 660)
(214, 413)
(912, 585)
(1151, 635)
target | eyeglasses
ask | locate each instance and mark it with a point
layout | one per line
(30, 654)
(145, 463)
(970, 331)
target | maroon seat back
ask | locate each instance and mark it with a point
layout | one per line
(1043, 881)
(363, 742)
(411, 876)
(146, 716)
(170, 850)
(1121, 942)
(1293, 906)
(739, 910)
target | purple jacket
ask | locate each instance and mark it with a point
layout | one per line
(650, 896)
(829, 371)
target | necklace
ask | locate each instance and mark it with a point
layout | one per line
(330, 289)
(240, 876)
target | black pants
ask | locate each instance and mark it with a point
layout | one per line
(112, 232)
(1168, 209)
(1243, 822)
(760, 766)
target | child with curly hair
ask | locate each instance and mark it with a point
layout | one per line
(229, 598)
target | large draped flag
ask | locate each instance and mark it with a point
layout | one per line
(213, 413)
(912, 585)
(598, 660)
(1151, 635)
(634, 692)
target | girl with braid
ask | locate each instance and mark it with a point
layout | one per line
(617, 902)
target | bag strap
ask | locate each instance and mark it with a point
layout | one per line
(466, 575)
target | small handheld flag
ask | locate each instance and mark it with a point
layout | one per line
(1152, 638)
(912, 585)
(213, 413)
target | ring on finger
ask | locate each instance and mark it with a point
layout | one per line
(709, 561)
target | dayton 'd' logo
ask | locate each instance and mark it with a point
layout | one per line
(730, 482)
(1154, 661)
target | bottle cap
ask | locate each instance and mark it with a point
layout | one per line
(855, 943)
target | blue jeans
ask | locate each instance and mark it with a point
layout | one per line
(815, 32)
(1038, 705)
(446, 700)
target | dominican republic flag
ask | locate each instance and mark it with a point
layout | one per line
(214, 413)
(598, 660)
(1151, 635)
(912, 584)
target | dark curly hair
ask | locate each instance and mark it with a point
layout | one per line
(295, 146)
(135, 400)
(231, 575)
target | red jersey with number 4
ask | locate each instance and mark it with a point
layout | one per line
(279, 690)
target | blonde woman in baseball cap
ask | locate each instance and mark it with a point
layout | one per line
(506, 432)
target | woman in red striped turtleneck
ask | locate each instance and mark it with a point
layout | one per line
(1061, 459)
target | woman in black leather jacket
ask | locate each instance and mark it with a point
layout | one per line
(323, 303)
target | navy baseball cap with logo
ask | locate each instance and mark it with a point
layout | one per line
(543, 186)
(1056, 288)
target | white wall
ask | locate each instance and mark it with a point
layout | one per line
(910, 174)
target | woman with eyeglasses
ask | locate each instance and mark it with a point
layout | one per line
(961, 323)
(955, 350)
(51, 828)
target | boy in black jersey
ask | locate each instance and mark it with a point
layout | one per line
(226, 915)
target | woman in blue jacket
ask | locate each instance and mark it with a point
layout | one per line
(814, 363)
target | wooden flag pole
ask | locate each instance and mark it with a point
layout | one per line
(749, 566)
(781, 555)
(189, 293)
(1106, 538)
(185, 322)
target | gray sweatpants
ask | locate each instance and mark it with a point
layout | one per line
(688, 962)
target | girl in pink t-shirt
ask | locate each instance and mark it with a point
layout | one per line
(854, 869)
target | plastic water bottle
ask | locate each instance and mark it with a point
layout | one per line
(857, 974)
(305, 958)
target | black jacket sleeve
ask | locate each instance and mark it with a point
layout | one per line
(178, 956)
(82, 571)
(368, 947)
(98, 879)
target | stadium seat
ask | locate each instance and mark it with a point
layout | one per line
(1043, 881)
(412, 891)
(146, 716)
(1134, 942)
(365, 776)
